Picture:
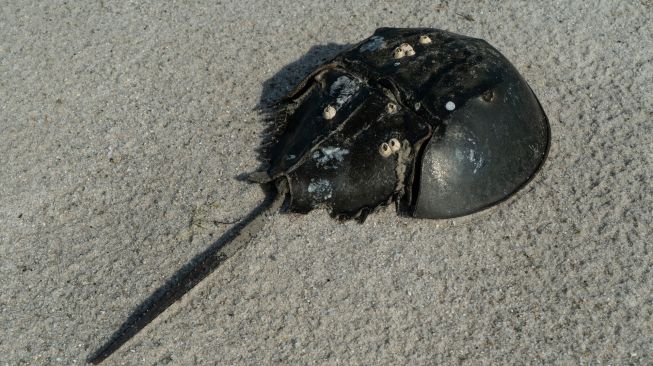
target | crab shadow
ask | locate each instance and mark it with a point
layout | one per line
(279, 85)
(285, 79)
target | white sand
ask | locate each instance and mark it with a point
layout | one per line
(123, 129)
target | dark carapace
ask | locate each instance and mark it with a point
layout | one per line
(440, 123)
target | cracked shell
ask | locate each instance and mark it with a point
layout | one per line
(472, 132)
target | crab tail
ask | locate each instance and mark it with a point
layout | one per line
(235, 239)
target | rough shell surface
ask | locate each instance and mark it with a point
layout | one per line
(470, 130)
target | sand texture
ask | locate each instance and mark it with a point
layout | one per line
(124, 127)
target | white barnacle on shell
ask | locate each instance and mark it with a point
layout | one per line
(329, 112)
(425, 39)
(394, 144)
(398, 53)
(408, 49)
(385, 150)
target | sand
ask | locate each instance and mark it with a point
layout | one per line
(124, 128)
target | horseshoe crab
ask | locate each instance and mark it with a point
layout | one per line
(440, 124)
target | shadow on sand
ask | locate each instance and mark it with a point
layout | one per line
(290, 75)
(238, 235)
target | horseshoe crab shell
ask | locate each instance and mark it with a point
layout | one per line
(470, 130)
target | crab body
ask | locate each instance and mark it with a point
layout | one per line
(441, 124)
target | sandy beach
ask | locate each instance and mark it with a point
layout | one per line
(125, 129)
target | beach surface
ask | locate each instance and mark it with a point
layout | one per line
(125, 129)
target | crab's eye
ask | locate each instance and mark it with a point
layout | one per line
(385, 150)
(488, 96)
(394, 144)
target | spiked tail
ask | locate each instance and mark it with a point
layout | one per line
(236, 238)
